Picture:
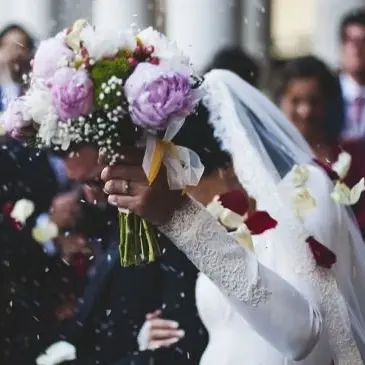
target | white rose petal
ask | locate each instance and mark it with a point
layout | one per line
(164, 49)
(38, 104)
(73, 38)
(300, 175)
(230, 219)
(243, 236)
(102, 43)
(303, 203)
(57, 353)
(342, 194)
(45, 231)
(22, 210)
(215, 208)
(342, 165)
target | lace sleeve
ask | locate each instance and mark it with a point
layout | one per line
(274, 308)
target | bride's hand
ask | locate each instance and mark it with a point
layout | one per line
(157, 332)
(128, 188)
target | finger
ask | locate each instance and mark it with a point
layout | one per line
(154, 345)
(123, 172)
(163, 323)
(153, 315)
(163, 334)
(124, 202)
(118, 187)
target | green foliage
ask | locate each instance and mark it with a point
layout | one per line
(102, 71)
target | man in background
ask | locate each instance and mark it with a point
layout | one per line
(352, 75)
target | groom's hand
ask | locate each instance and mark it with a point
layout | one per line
(128, 188)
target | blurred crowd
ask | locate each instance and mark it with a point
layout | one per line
(327, 107)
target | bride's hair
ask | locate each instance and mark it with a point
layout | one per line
(198, 134)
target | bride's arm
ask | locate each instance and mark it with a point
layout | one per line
(274, 309)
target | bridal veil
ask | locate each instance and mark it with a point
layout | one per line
(265, 147)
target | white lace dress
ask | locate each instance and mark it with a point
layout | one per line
(255, 317)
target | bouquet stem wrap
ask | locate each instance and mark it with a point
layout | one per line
(138, 240)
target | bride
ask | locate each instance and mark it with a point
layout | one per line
(266, 330)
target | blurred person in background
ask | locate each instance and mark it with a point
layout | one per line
(309, 94)
(38, 288)
(237, 61)
(16, 52)
(352, 75)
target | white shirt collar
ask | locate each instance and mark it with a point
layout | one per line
(350, 88)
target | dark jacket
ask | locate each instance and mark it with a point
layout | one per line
(115, 304)
(31, 283)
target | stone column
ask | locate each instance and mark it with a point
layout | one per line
(202, 27)
(328, 15)
(123, 13)
(35, 16)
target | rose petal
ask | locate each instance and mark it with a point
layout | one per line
(259, 222)
(236, 201)
(300, 175)
(230, 219)
(243, 236)
(323, 256)
(342, 194)
(215, 208)
(22, 210)
(45, 231)
(302, 203)
(57, 353)
(342, 165)
(7, 209)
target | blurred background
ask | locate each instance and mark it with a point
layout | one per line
(269, 30)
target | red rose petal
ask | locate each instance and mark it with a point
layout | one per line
(236, 201)
(7, 209)
(259, 222)
(327, 168)
(323, 256)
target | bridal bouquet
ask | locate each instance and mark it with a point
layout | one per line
(112, 90)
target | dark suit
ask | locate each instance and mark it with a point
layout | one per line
(116, 302)
(31, 282)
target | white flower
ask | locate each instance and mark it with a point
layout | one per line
(300, 175)
(215, 208)
(73, 38)
(243, 236)
(303, 203)
(102, 43)
(45, 231)
(22, 210)
(164, 49)
(342, 165)
(57, 353)
(229, 219)
(48, 130)
(342, 194)
(38, 103)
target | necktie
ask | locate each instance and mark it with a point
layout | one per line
(357, 109)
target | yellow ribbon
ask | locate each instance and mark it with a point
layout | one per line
(162, 147)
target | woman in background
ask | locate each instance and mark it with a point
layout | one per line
(309, 94)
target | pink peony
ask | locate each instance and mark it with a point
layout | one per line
(72, 93)
(14, 121)
(157, 95)
(51, 54)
